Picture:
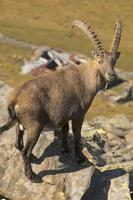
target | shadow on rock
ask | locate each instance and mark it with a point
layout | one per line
(67, 161)
(53, 149)
(100, 184)
(64, 169)
(49, 151)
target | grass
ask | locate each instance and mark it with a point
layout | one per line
(49, 23)
(11, 59)
(100, 106)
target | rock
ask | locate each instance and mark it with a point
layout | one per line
(119, 125)
(125, 75)
(13, 42)
(62, 177)
(120, 130)
(123, 193)
(97, 148)
(129, 137)
(125, 96)
(4, 93)
(57, 175)
(109, 185)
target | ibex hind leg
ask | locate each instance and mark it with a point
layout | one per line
(33, 134)
(19, 143)
(7, 126)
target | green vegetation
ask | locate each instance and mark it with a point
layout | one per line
(101, 106)
(11, 58)
(49, 23)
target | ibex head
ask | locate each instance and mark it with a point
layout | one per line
(105, 60)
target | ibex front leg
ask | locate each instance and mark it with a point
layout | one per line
(65, 130)
(76, 128)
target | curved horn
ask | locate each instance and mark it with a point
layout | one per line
(117, 37)
(91, 34)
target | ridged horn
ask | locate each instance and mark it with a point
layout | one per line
(91, 34)
(117, 37)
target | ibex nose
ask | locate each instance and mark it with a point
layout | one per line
(110, 76)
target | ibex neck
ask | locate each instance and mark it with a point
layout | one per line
(92, 77)
(92, 83)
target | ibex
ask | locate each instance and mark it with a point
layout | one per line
(50, 101)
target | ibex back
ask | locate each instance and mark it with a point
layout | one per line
(50, 101)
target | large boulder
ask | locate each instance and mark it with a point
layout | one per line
(120, 134)
(60, 175)
(126, 95)
(63, 178)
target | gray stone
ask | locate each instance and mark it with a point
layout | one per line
(119, 125)
(125, 75)
(126, 94)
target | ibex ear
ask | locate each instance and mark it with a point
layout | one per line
(118, 54)
(94, 54)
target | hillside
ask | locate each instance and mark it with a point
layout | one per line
(49, 23)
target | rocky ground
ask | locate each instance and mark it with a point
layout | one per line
(107, 173)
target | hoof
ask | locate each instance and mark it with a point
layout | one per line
(65, 150)
(34, 159)
(19, 147)
(81, 159)
(35, 178)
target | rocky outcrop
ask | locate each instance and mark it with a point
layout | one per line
(60, 175)
(12, 41)
(124, 75)
(119, 125)
(120, 133)
(126, 95)
(63, 178)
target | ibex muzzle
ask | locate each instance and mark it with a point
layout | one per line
(51, 101)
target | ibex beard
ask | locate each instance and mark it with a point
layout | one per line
(50, 101)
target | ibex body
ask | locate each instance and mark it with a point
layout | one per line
(50, 101)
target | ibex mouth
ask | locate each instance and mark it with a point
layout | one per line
(110, 79)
